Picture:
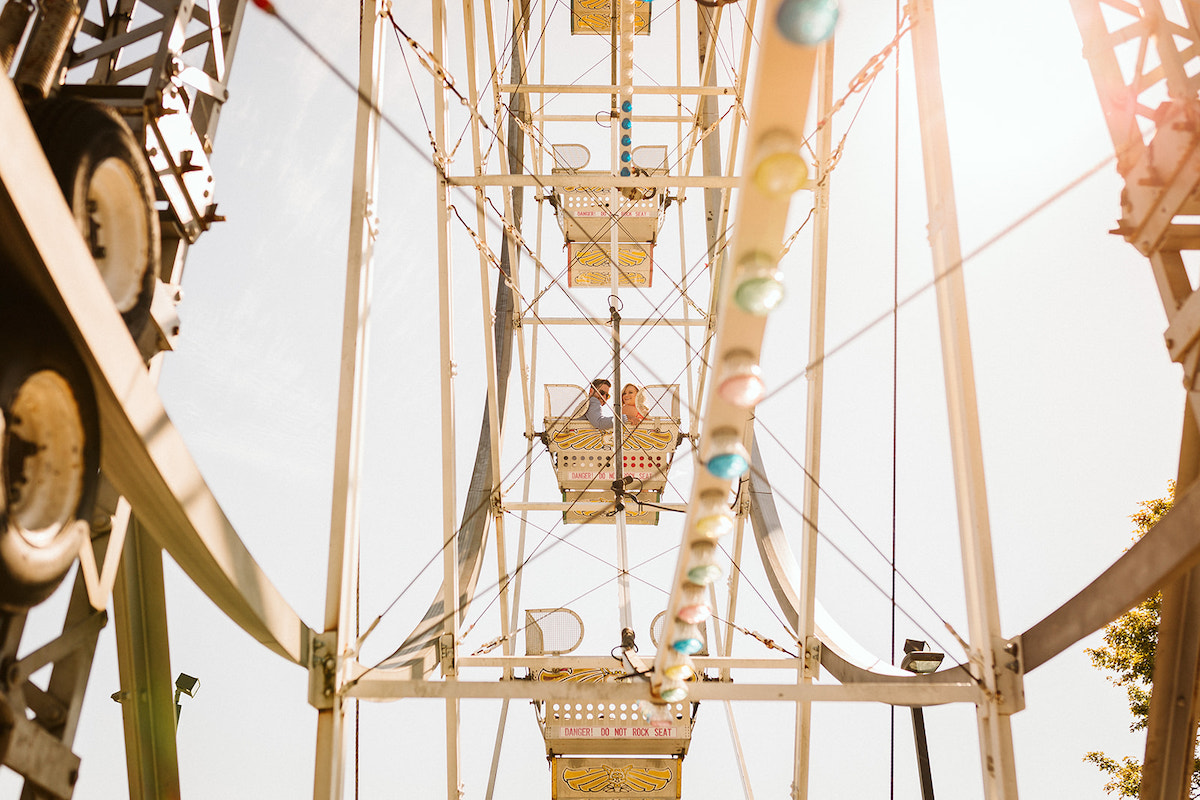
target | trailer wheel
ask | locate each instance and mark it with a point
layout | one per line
(49, 459)
(103, 174)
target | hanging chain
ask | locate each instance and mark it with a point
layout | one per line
(861, 83)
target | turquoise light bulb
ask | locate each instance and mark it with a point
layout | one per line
(728, 466)
(807, 22)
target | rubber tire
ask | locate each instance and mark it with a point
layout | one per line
(91, 149)
(34, 562)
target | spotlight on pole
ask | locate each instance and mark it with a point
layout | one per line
(184, 684)
(918, 659)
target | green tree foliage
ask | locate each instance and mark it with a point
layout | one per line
(1128, 657)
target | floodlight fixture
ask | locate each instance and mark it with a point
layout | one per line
(918, 659)
(184, 684)
(187, 684)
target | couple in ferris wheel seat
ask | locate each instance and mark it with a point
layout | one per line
(633, 405)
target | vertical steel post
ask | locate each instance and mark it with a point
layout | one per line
(707, 116)
(342, 576)
(144, 665)
(623, 32)
(922, 744)
(814, 407)
(724, 644)
(492, 411)
(618, 484)
(995, 731)
(451, 595)
(1171, 722)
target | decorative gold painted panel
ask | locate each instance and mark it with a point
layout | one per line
(595, 17)
(575, 778)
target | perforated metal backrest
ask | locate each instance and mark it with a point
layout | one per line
(651, 156)
(552, 631)
(571, 156)
(564, 402)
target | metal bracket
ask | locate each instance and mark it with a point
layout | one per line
(164, 311)
(812, 658)
(178, 159)
(1010, 676)
(323, 670)
(446, 655)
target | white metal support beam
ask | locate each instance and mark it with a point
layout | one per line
(735, 128)
(492, 417)
(143, 455)
(724, 641)
(342, 576)
(379, 685)
(548, 180)
(814, 408)
(983, 613)
(450, 577)
(512, 141)
(707, 115)
(648, 89)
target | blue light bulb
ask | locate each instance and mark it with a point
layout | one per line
(807, 22)
(626, 141)
(687, 646)
(627, 106)
(728, 466)
(626, 124)
(624, 172)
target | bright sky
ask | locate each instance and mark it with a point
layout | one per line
(1079, 407)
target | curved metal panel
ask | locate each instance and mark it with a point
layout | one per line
(418, 655)
(844, 659)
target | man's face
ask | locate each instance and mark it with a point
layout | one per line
(601, 391)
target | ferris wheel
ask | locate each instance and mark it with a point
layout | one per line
(689, 411)
(638, 180)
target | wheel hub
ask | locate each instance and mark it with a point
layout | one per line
(118, 233)
(43, 458)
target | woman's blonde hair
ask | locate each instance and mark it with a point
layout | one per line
(639, 399)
